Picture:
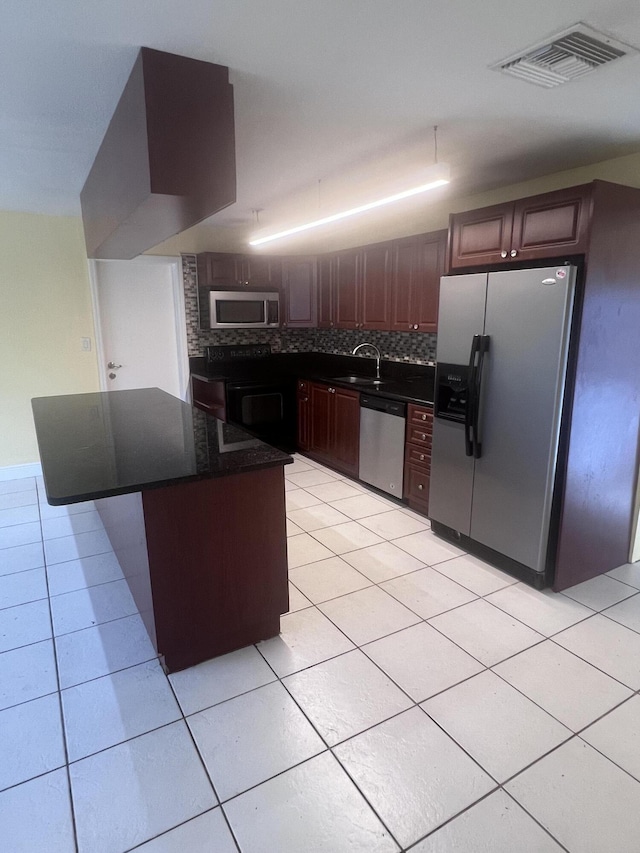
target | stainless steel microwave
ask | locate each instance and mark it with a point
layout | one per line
(244, 309)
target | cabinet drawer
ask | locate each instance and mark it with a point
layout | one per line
(416, 487)
(418, 457)
(420, 415)
(209, 396)
(420, 435)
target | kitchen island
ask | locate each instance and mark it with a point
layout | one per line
(194, 510)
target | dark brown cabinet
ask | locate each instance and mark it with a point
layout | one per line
(221, 270)
(345, 272)
(363, 280)
(417, 458)
(299, 308)
(326, 293)
(418, 263)
(374, 280)
(536, 228)
(303, 419)
(329, 423)
(355, 289)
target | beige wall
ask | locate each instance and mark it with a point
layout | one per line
(422, 216)
(45, 309)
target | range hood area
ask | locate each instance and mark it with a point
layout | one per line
(167, 160)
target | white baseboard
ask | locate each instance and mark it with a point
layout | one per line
(17, 472)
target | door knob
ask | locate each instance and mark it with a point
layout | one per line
(112, 366)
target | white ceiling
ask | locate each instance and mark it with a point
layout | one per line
(335, 99)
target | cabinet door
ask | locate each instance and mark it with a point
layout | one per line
(404, 266)
(261, 272)
(320, 413)
(345, 445)
(299, 279)
(218, 269)
(375, 286)
(416, 487)
(552, 224)
(431, 251)
(346, 290)
(481, 236)
(304, 425)
(326, 292)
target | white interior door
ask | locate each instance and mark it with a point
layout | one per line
(140, 324)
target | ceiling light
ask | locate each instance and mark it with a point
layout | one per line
(436, 176)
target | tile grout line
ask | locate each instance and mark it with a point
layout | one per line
(60, 706)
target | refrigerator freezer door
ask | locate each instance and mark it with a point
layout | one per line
(528, 320)
(460, 317)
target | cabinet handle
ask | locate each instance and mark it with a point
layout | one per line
(513, 253)
(416, 326)
(503, 254)
(424, 417)
(422, 457)
(305, 399)
(424, 437)
(420, 487)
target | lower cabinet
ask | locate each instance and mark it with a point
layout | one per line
(303, 421)
(417, 457)
(329, 424)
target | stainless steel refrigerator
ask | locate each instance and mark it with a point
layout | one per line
(502, 351)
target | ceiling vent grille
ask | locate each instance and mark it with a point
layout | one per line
(566, 56)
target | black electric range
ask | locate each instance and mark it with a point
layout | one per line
(260, 397)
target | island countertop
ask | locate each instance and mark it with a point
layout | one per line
(116, 442)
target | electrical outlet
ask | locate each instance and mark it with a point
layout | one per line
(86, 344)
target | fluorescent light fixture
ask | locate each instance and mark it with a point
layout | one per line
(439, 174)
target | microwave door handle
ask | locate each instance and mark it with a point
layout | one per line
(469, 443)
(477, 394)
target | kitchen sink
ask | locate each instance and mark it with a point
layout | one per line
(358, 380)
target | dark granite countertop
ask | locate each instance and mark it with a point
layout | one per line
(409, 383)
(404, 390)
(114, 442)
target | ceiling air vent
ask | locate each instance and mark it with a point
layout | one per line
(564, 57)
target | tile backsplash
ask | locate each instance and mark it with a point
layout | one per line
(394, 346)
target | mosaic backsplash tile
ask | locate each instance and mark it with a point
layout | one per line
(394, 346)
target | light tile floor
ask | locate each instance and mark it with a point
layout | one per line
(417, 698)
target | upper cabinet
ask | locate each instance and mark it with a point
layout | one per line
(326, 293)
(223, 271)
(374, 279)
(355, 288)
(418, 263)
(345, 274)
(299, 293)
(535, 228)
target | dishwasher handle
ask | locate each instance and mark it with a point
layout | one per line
(379, 404)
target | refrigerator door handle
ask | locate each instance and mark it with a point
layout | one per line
(469, 441)
(482, 350)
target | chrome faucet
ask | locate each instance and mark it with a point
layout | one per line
(373, 346)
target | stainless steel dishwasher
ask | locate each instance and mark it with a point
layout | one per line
(382, 428)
